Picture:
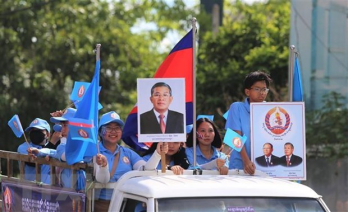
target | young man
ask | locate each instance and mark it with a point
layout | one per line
(160, 119)
(255, 88)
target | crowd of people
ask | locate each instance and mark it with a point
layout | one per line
(114, 160)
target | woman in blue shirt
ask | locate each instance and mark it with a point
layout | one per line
(115, 160)
(208, 141)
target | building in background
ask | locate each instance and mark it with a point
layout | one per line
(319, 31)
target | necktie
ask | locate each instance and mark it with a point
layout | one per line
(162, 124)
(287, 161)
(267, 161)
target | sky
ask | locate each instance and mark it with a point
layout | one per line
(172, 37)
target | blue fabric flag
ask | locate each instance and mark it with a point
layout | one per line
(234, 140)
(77, 149)
(225, 115)
(297, 93)
(79, 91)
(210, 117)
(16, 126)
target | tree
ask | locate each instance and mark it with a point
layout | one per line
(253, 37)
(47, 45)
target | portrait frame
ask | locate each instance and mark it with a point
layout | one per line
(279, 123)
(178, 105)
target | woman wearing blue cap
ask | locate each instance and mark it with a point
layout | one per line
(208, 144)
(115, 160)
(39, 133)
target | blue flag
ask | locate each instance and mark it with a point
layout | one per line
(77, 149)
(226, 115)
(16, 126)
(79, 91)
(234, 140)
(297, 93)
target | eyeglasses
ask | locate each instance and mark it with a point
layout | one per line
(158, 95)
(260, 90)
(110, 129)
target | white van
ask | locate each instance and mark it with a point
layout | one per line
(153, 191)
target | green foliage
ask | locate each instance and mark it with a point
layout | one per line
(47, 45)
(253, 37)
(328, 126)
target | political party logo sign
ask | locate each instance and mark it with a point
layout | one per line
(277, 120)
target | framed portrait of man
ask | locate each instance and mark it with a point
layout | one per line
(161, 110)
(278, 139)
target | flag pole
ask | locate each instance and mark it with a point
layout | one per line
(97, 52)
(291, 71)
(194, 130)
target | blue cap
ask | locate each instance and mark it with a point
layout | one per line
(69, 113)
(210, 117)
(39, 124)
(57, 128)
(110, 117)
(189, 128)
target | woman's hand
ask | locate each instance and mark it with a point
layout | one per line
(220, 162)
(101, 160)
(177, 169)
(223, 170)
(162, 147)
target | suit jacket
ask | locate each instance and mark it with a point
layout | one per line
(149, 123)
(262, 161)
(294, 160)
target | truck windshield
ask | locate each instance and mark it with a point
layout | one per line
(240, 204)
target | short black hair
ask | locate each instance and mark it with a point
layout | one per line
(217, 142)
(161, 84)
(256, 76)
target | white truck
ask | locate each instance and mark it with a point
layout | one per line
(154, 191)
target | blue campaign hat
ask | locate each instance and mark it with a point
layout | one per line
(189, 128)
(210, 117)
(110, 117)
(69, 113)
(39, 124)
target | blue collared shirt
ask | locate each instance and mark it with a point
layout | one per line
(126, 161)
(30, 170)
(201, 159)
(239, 119)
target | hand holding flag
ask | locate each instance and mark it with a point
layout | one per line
(234, 140)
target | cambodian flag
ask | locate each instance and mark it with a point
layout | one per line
(16, 126)
(234, 140)
(178, 64)
(76, 149)
(297, 93)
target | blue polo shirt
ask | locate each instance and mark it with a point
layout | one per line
(29, 171)
(66, 174)
(147, 157)
(125, 164)
(201, 159)
(239, 119)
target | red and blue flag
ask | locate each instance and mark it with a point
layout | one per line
(178, 64)
(16, 126)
